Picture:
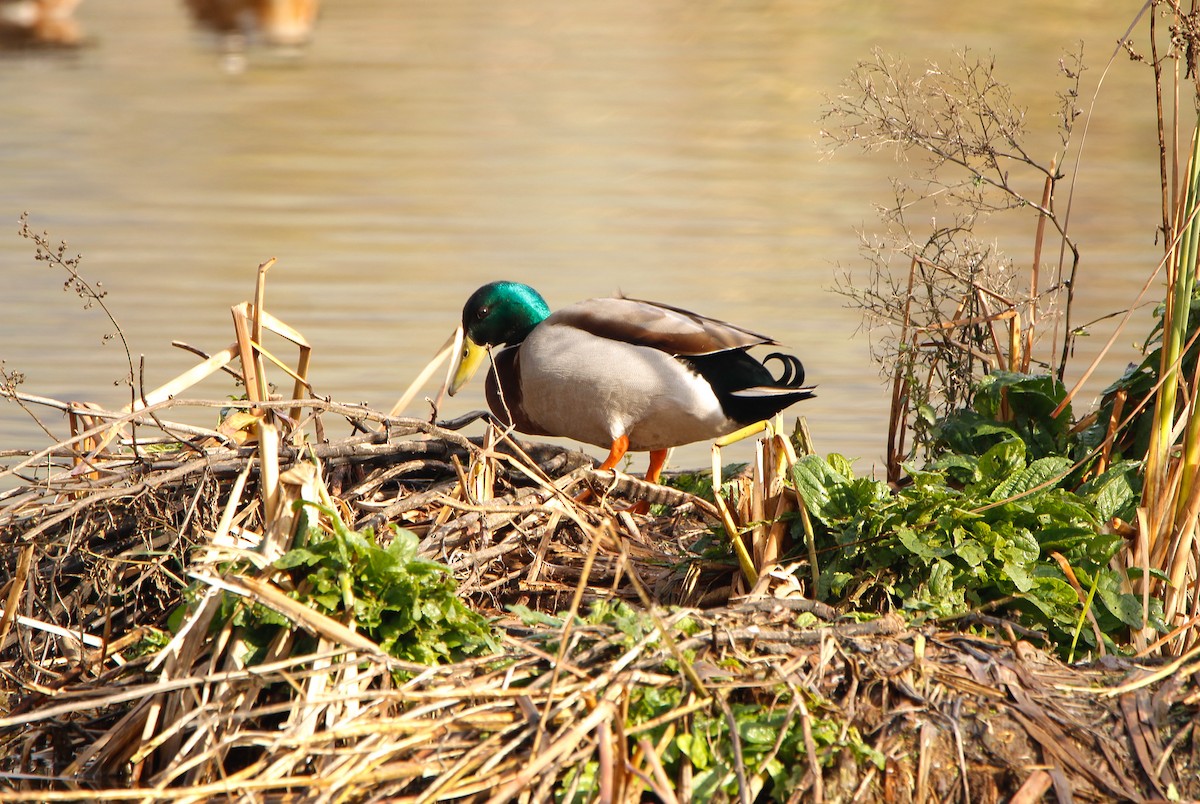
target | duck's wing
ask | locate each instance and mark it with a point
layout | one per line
(659, 326)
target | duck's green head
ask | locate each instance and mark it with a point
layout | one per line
(498, 313)
(502, 313)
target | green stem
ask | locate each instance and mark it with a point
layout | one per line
(1186, 281)
(1175, 323)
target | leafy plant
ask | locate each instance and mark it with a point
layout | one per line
(1007, 406)
(403, 601)
(771, 743)
(963, 319)
(991, 525)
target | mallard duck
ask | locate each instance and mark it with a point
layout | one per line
(619, 373)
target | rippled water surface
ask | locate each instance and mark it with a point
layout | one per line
(669, 150)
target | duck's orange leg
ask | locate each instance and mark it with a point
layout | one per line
(616, 452)
(658, 459)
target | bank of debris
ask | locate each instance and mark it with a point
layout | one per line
(273, 609)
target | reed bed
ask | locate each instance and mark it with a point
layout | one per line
(702, 677)
(885, 712)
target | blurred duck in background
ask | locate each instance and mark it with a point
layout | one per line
(280, 23)
(39, 22)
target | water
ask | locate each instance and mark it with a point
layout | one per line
(414, 151)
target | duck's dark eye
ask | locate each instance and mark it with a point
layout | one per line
(482, 312)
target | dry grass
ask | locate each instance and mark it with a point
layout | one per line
(110, 698)
(952, 715)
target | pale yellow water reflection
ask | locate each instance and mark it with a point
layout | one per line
(417, 150)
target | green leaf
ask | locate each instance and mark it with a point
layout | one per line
(695, 749)
(972, 552)
(1002, 460)
(404, 544)
(1018, 574)
(928, 543)
(944, 596)
(814, 478)
(1115, 493)
(297, 557)
(1043, 470)
(1053, 596)
(706, 784)
(840, 464)
(1102, 547)
(848, 500)
(1030, 397)
(534, 618)
(760, 732)
(1064, 538)
(965, 432)
(1019, 547)
(963, 469)
(1124, 606)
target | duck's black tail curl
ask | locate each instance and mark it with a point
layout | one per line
(792, 375)
(745, 387)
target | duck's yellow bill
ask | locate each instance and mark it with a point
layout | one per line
(467, 362)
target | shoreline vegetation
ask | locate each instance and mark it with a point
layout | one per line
(190, 635)
(314, 601)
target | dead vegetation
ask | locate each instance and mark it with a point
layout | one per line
(961, 308)
(155, 645)
(97, 707)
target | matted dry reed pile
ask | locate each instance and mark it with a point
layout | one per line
(94, 563)
(129, 672)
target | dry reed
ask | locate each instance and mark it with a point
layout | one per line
(117, 692)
